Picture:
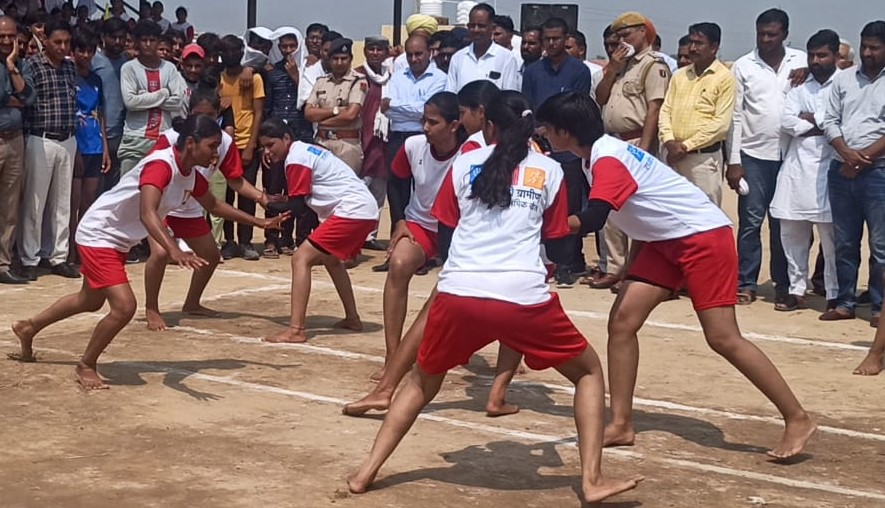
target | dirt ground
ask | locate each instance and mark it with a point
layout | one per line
(205, 414)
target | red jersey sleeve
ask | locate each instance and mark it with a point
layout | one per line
(201, 186)
(612, 182)
(469, 147)
(298, 178)
(157, 174)
(232, 165)
(161, 144)
(445, 208)
(556, 216)
(401, 167)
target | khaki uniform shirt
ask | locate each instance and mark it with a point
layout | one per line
(645, 79)
(329, 92)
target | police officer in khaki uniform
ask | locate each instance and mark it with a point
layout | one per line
(335, 104)
(631, 91)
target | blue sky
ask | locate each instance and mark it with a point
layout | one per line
(357, 18)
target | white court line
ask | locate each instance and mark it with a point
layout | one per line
(569, 390)
(521, 435)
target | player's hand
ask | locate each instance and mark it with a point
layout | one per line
(187, 260)
(276, 222)
(733, 175)
(399, 232)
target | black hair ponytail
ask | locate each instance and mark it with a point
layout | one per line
(275, 128)
(574, 113)
(477, 93)
(197, 127)
(511, 114)
(447, 104)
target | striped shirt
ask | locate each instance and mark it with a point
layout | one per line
(55, 108)
(698, 110)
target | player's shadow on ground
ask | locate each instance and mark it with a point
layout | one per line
(129, 373)
(499, 465)
(315, 324)
(540, 399)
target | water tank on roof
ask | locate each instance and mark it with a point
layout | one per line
(431, 7)
(463, 13)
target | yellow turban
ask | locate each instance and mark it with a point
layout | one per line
(421, 22)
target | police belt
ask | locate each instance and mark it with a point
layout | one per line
(329, 134)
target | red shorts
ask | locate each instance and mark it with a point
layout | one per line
(342, 238)
(427, 239)
(191, 227)
(706, 263)
(103, 267)
(459, 326)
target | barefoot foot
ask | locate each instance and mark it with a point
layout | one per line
(288, 336)
(618, 435)
(374, 401)
(870, 366)
(495, 409)
(359, 482)
(606, 488)
(25, 332)
(199, 310)
(354, 324)
(88, 378)
(155, 321)
(796, 435)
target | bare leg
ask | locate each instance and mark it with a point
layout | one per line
(508, 363)
(306, 257)
(341, 279)
(585, 372)
(872, 364)
(205, 247)
(379, 398)
(154, 271)
(86, 300)
(635, 302)
(121, 299)
(417, 391)
(723, 335)
(405, 259)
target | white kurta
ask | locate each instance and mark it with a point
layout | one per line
(801, 192)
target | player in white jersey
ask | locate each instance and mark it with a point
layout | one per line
(188, 222)
(681, 237)
(494, 208)
(417, 172)
(317, 179)
(122, 217)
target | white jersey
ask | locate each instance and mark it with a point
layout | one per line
(650, 202)
(229, 163)
(417, 161)
(114, 220)
(474, 141)
(330, 186)
(496, 253)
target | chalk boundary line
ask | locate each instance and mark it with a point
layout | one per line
(516, 434)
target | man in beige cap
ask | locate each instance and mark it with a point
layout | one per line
(632, 90)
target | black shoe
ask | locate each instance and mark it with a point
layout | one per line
(564, 278)
(374, 245)
(383, 267)
(11, 278)
(65, 270)
(229, 250)
(249, 253)
(29, 273)
(864, 298)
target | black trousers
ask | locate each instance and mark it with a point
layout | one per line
(395, 141)
(577, 189)
(273, 179)
(244, 231)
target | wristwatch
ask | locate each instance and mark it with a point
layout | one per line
(335, 111)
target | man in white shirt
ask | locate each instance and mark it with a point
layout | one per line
(483, 59)
(671, 62)
(503, 35)
(576, 46)
(801, 200)
(761, 79)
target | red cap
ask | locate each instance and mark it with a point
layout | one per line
(193, 49)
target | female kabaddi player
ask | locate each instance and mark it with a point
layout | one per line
(681, 237)
(188, 222)
(319, 180)
(120, 219)
(495, 206)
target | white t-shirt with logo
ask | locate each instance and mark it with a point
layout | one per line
(114, 220)
(650, 202)
(229, 163)
(417, 161)
(328, 184)
(495, 253)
